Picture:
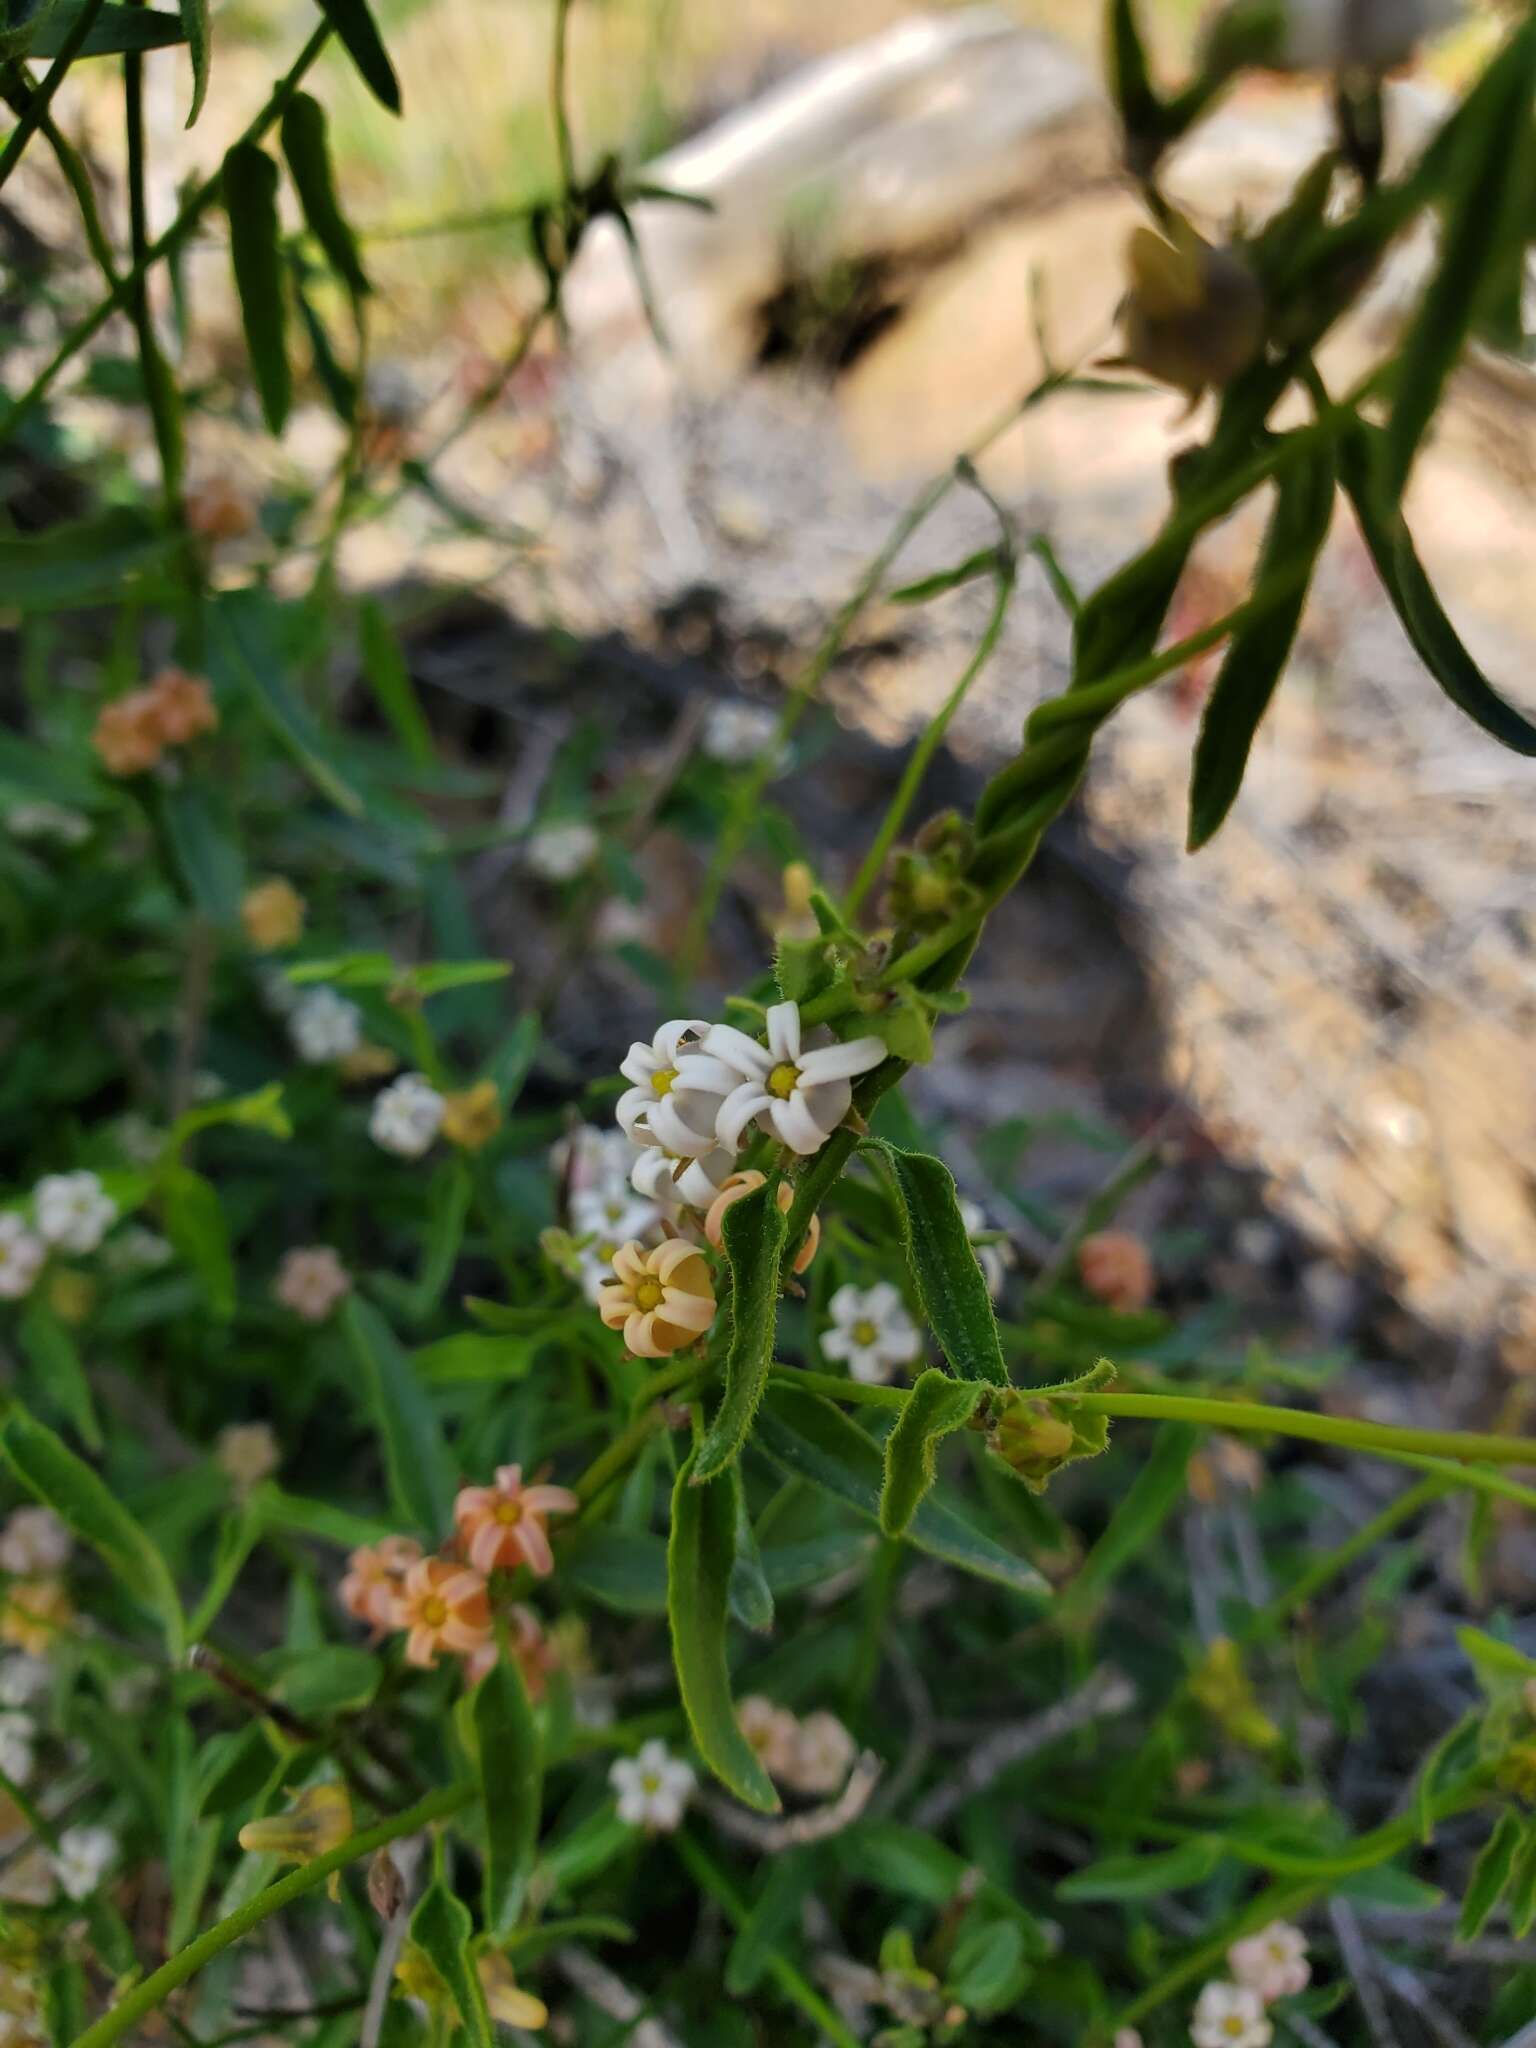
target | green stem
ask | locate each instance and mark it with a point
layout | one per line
(629, 1442)
(157, 1987)
(565, 155)
(159, 391)
(40, 95)
(837, 1389)
(713, 1880)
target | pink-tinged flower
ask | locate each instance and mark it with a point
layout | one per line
(738, 1184)
(442, 1606)
(535, 1655)
(660, 1299)
(502, 1526)
(1272, 1962)
(770, 1730)
(1229, 2016)
(311, 1280)
(374, 1578)
(799, 1095)
(1116, 1268)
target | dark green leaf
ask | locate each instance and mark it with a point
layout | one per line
(359, 36)
(1153, 1494)
(309, 165)
(700, 1552)
(1520, 1897)
(985, 562)
(936, 1406)
(1130, 81)
(441, 1928)
(1258, 652)
(255, 247)
(511, 1788)
(1389, 1888)
(989, 1968)
(1490, 1874)
(808, 1437)
(773, 1915)
(232, 1768)
(390, 680)
(201, 836)
(751, 1595)
(473, 1356)
(53, 1352)
(198, 28)
(246, 657)
(949, 1282)
(65, 1483)
(336, 380)
(1435, 640)
(623, 1569)
(754, 1242)
(336, 1678)
(194, 1222)
(421, 1471)
(114, 30)
(85, 562)
(1144, 1877)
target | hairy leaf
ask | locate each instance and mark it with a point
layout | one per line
(754, 1242)
(937, 1406)
(950, 1283)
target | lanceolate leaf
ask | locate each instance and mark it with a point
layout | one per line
(950, 1284)
(754, 1241)
(80, 562)
(246, 655)
(700, 1553)
(309, 164)
(937, 1405)
(52, 1350)
(65, 1483)
(1141, 110)
(1520, 1899)
(389, 678)
(421, 1473)
(441, 1928)
(194, 1222)
(1490, 1874)
(750, 1593)
(195, 22)
(114, 30)
(1258, 652)
(360, 38)
(1435, 640)
(511, 1782)
(813, 1440)
(250, 200)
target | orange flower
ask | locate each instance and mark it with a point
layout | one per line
(374, 1578)
(1116, 1268)
(127, 734)
(661, 1299)
(443, 1606)
(183, 707)
(733, 1187)
(532, 1651)
(504, 1524)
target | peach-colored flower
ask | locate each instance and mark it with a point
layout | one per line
(272, 914)
(442, 1606)
(535, 1653)
(503, 1525)
(311, 1280)
(1116, 1268)
(183, 706)
(374, 1577)
(127, 735)
(732, 1188)
(661, 1299)
(770, 1730)
(505, 1999)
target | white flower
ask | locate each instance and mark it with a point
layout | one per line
(678, 1091)
(994, 1259)
(674, 1183)
(139, 1141)
(17, 1735)
(801, 1097)
(324, 1026)
(137, 1250)
(34, 1542)
(822, 1756)
(406, 1116)
(559, 853)
(84, 1857)
(872, 1333)
(735, 733)
(22, 1253)
(653, 1787)
(1272, 1962)
(589, 1158)
(1372, 35)
(618, 1213)
(246, 1453)
(23, 1679)
(45, 820)
(1230, 2016)
(311, 1280)
(73, 1210)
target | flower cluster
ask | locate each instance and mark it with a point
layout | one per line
(132, 732)
(1265, 1966)
(811, 1755)
(70, 1212)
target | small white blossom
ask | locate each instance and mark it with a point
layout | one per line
(137, 1250)
(73, 1210)
(324, 1026)
(406, 1116)
(246, 1453)
(995, 1258)
(22, 1253)
(559, 853)
(588, 1159)
(23, 1679)
(45, 820)
(34, 1542)
(800, 1096)
(621, 923)
(1229, 2016)
(735, 733)
(674, 1183)
(17, 1735)
(84, 1856)
(311, 1280)
(618, 1213)
(1272, 1962)
(872, 1333)
(677, 1092)
(822, 1756)
(653, 1788)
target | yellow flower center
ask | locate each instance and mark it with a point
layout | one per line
(865, 1332)
(650, 1781)
(508, 1512)
(784, 1080)
(663, 1079)
(1235, 2025)
(434, 1611)
(648, 1295)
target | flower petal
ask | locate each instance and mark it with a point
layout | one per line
(699, 1070)
(671, 1129)
(738, 1110)
(639, 1337)
(846, 1304)
(531, 1540)
(638, 1065)
(744, 1054)
(841, 1062)
(551, 1500)
(882, 1300)
(796, 1126)
(629, 1263)
(670, 1037)
(633, 1110)
(784, 1032)
(836, 1344)
(687, 1311)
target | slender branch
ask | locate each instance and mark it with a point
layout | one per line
(38, 97)
(14, 90)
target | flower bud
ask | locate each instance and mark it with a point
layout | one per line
(1034, 1439)
(386, 1887)
(319, 1820)
(1194, 314)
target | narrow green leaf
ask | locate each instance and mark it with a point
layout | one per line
(255, 247)
(359, 37)
(1434, 639)
(622, 1569)
(115, 30)
(511, 1789)
(309, 165)
(938, 1405)
(949, 1282)
(82, 562)
(1520, 1897)
(1490, 1873)
(700, 1552)
(56, 1357)
(194, 1222)
(65, 1483)
(191, 1843)
(442, 1929)
(1256, 657)
(246, 658)
(754, 1243)
(199, 34)
(773, 1915)
(1144, 1877)
(473, 1355)
(1130, 80)
(421, 1472)
(1154, 1493)
(985, 562)
(389, 678)
(232, 1768)
(751, 1594)
(239, 1533)
(807, 1436)
(336, 380)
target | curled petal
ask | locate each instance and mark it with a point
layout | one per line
(534, 1544)
(738, 1110)
(639, 1335)
(638, 1065)
(629, 1262)
(841, 1062)
(744, 1054)
(670, 1038)
(670, 1127)
(551, 1500)
(795, 1126)
(784, 1032)
(633, 1110)
(666, 1259)
(697, 1070)
(687, 1311)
